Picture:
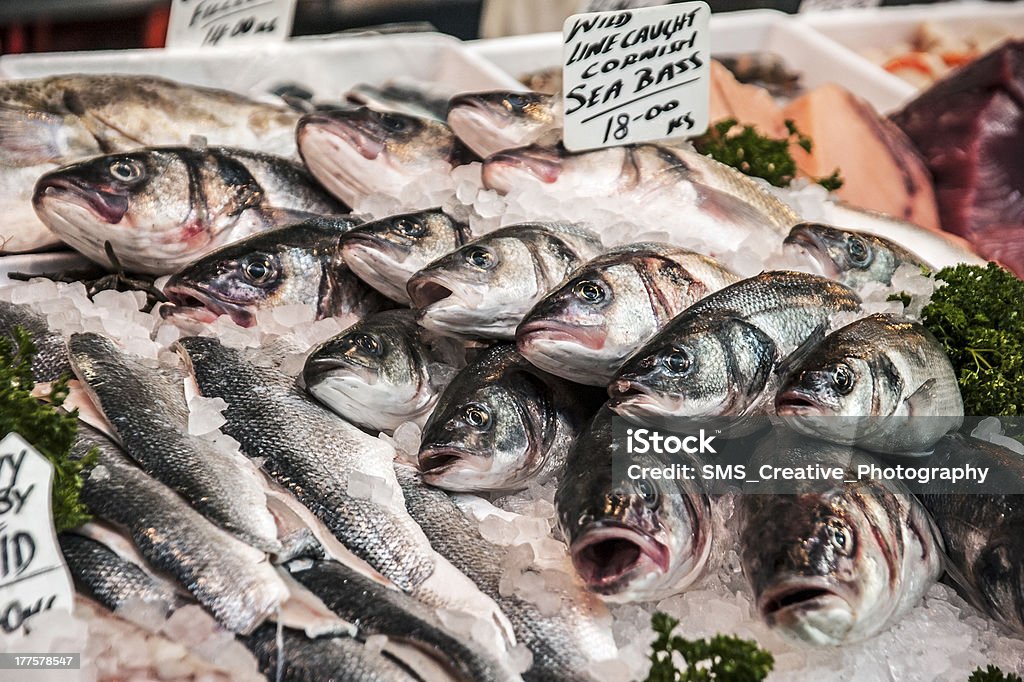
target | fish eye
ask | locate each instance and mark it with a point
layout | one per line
(477, 416)
(858, 250)
(840, 537)
(647, 492)
(257, 269)
(395, 124)
(367, 343)
(842, 378)
(480, 257)
(678, 360)
(515, 103)
(589, 291)
(126, 170)
(410, 227)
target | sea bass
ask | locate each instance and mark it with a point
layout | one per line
(301, 659)
(51, 359)
(484, 288)
(721, 357)
(296, 265)
(564, 643)
(355, 154)
(883, 383)
(382, 371)
(612, 305)
(849, 257)
(831, 562)
(500, 424)
(344, 476)
(48, 122)
(631, 539)
(163, 207)
(386, 253)
(490, 122)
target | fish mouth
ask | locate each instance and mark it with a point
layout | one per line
(587, 336)
(436, 462)
(812, 610)
(815, 247)
(472, 105)
(607, 556)
(107, 206)
(542, 164)
(351, 130)
(797, 403)
(426, 290)
(195, 303)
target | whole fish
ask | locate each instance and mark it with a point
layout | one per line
(563, 643)
(883, 383)
(500, 424)
(982, 531)
(849, 257)
(324, 462)
(146, 408)
(490, 122)
(355, 154)
(721, 356)
(382, 371)
(301, 659)
(296, 265)
(631, 539)
(612, 305)
(702, 204)
(386, 253)
(51, 359)
(52, 121)
(162, 207)
(383, 611)
(832, 562)
(484, 288)
(233, 580)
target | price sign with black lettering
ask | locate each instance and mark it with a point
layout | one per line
(33, 576)
(636, 75)
(216, 23)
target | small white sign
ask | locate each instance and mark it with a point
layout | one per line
(636, 75)
(216, 23)
(33, 575)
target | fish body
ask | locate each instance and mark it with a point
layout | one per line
(720, 357)
(585, 329)
(981, 531)
(500, 424)
(883, 383)
(296, 265)
(631, 539)
(834, 562)
(563, 643)
(849, 257)
(355, 154)
(381, 372)
(301, 659)
(51, 359)
(484, 288)
(386, 253)
(52, 121)
(490, 122)
(163, 207)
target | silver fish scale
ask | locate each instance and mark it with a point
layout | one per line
(554, 640)
(147, 409)
(231, 579)
(51, 359)
(312, 453)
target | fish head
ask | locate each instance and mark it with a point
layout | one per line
(818, 568)
(386, 253)
(240, 279)
(852, 258)
(489, 122)
(708, 365)
(602, 172)
(356, 153)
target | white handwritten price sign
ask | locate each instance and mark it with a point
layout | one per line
(216, 23)
(636, 75)
(33, 576)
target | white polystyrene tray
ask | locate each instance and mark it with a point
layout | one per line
(881, 27)
(817, 58)
(327, 66)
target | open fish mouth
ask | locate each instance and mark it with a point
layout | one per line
(427, 290)
(809, 609)
(436, 462)
(548, 330)
(194, 303)
(107, 206)
(796, 403)
(814, 248)
(606, 557)
(360, 137)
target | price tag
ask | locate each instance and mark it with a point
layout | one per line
(33, 576)
(636, 75)
(215, 23)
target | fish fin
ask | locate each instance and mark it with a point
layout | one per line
(29, 138)
(789, 363)
(280, 217)
(921, 400)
